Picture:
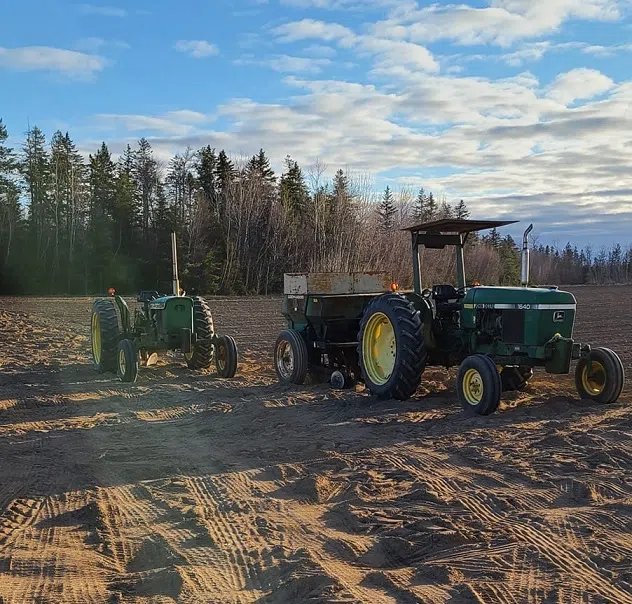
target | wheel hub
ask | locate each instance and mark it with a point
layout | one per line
(285, 359)
(473, 387)
(379, 348)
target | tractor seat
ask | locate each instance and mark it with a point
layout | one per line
(444, 293)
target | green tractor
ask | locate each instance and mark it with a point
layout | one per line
(162, 322)
(495, 335)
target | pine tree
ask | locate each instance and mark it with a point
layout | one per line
(35, 167)
(432, 208)
(460, 211)
(493, 239)
(445, 210)
(225, 173)
(419, 206)
(293, 190)
(207, 164)
(387, 211)
(10, 213)
(147, 180)
(509, 261)
(101, 226)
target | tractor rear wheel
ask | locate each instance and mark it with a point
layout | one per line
(602, 379)
(104, 335)
(290, 357)
(391, 347)
(226, 356)
(127, 361)
(479, 384)
(202, 354)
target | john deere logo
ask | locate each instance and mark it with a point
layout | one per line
(558, 316)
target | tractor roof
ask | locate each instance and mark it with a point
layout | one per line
(455, 225)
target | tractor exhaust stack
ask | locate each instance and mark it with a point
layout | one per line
(525, 257)
(174, 255)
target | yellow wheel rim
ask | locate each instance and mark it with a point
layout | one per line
(122, 364)
(96, 338)
(473, 387)
(379, 349)
(597, 382)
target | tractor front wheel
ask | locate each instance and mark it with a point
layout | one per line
(226, 356)
(104, 335)
(290, 357)
(391, 347)
(479, 384)
(602, 378)
(202, 354)
(127, 361)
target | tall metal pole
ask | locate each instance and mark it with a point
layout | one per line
(525, 257)
(174, 255)
(416, 265)
(460, 263)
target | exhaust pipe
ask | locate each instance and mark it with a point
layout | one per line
(525, 257)
(174, 256)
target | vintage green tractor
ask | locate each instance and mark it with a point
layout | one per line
(162, 322)
(496, 335)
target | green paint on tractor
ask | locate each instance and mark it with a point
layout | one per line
(357, 327)
(160, 323)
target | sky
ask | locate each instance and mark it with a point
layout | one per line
(523, 108)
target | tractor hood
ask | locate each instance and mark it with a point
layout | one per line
(519, 298)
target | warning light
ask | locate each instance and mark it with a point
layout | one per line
(394, 286)
(111, 291)
(475, 284)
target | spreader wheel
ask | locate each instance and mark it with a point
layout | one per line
(202, 354)
(479, 384)
(104, 335)
(127, 361)
(602, 379)
(391, 348)
(290, 357)
(515, 378)
(226, 356)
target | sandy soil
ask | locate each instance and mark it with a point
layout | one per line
(189, 488)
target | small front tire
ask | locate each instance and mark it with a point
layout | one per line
(605, 383)
(127, 361)
(479, 385)
(226, 356)
(290, 357)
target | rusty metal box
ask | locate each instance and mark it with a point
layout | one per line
(323, 284)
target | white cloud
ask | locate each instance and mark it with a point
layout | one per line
(198, 49)
(104, 11)
(579, 84)
(503, 22)
(287, 63)
(319, 50)
(388, 54)
(95, 44)
(43, 58)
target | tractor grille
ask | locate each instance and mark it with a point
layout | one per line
(513, 326)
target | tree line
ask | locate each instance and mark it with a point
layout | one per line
(71, 225)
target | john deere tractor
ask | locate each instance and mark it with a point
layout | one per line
(495, 335)
(163, 322)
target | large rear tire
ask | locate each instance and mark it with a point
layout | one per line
(202, 354)
(104, 335)
(290, 357)
(479, 384)
(391, 349)
(226, 356)
(607, 379)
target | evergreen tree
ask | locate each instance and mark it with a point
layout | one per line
(387, 211)
(493, 239)
(460, 211)
(101, 227)
(225, 173)
(207, 166)
(509, 261)
(432, 208)
(419, 206)
(446, 211)
(293, 189)
(145, 170)
(36, 171)
(10, 215)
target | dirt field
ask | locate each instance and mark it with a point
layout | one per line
(189, 488)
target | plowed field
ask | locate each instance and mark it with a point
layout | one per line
(185, 487)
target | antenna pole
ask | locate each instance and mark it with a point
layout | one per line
(174, 254)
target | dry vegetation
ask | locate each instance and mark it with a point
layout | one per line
(185, 487)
